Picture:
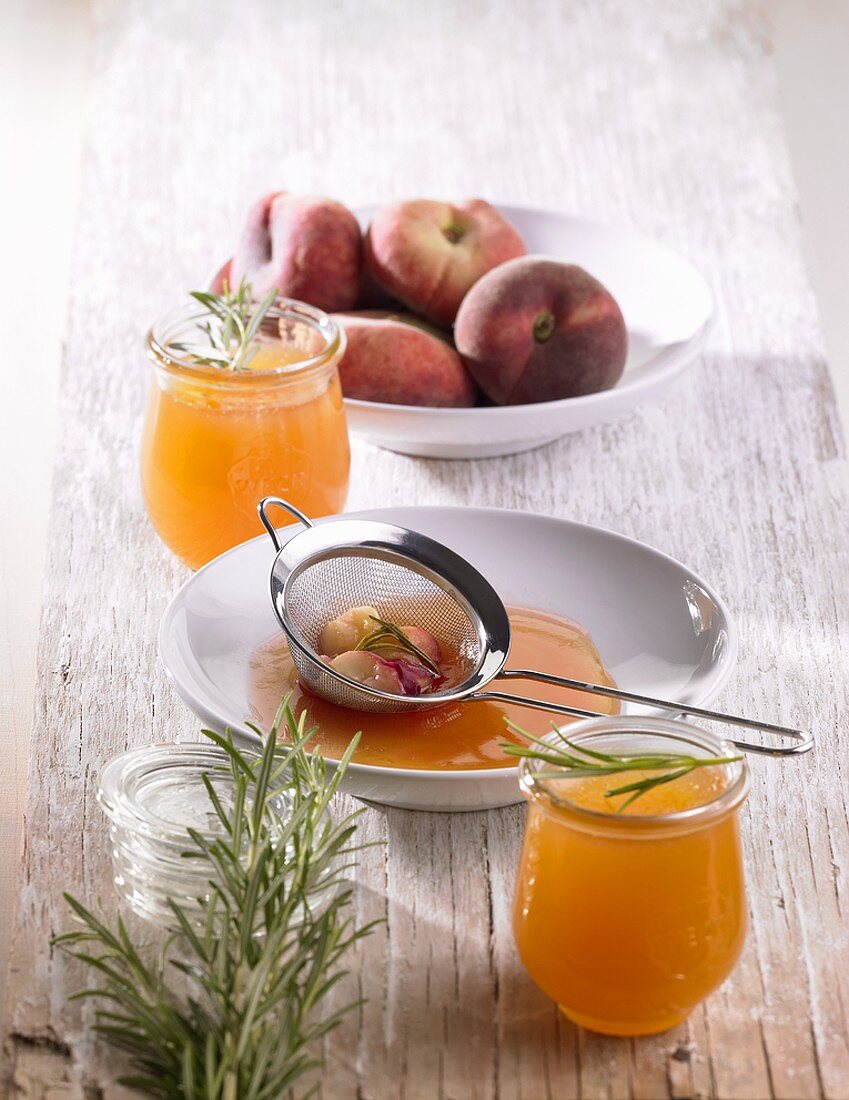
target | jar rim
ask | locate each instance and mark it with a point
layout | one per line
(729, 798)
(121, 808)
(164, 357)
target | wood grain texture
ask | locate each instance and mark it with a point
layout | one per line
(42, 49)
(657, 115)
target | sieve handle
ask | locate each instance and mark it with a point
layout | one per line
(802, 742)
(262, 508)
(534, 704)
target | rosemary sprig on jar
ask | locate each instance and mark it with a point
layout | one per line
(230, 323)
(233, 1005)
(569, 760)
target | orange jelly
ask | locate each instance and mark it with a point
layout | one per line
(216, 441)
(628, 920)
(454, 736)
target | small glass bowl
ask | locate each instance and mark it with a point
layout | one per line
(151, 796)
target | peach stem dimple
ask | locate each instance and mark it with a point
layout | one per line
(453, 232)
(544, 324)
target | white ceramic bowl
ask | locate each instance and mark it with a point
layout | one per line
(660, 630)
(667, 307)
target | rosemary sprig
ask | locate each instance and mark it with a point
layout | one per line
(233, 323)
(388, 635)
(570, 760)
(266, 954)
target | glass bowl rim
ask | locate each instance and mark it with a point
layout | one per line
(127, 813)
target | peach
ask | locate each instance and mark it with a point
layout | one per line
(370, 670)
(428, 254)
(422, 639)
(398, 676)
(403, 317)
(425, 641)
(373, 296)
(390, 361)
(414, 677)
(309, 247)
(223, 276)
(538, 330)
(347, 631)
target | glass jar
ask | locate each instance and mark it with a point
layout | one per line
(217, 440)
(152, 796)
(628, 920)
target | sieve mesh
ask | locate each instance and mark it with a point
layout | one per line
(329, 585)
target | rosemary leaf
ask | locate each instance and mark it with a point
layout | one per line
(644, 785)
(389, 634)
(260, 314)
(573, 761)
(230, 324)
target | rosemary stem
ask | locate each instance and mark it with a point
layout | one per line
(570, 760)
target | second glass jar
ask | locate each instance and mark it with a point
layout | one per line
(629, 920)
(217, 441)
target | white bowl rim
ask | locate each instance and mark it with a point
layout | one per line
(721, 674)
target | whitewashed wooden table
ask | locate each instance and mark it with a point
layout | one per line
(657, 115)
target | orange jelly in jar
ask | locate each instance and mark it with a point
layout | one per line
(629, 919)
(217, 439)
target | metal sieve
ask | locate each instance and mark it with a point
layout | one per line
(326, 569)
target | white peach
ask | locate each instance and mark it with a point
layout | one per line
(369, 670)
(428, 254)
(347, 631)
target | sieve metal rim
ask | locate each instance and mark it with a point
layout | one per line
(423, 555)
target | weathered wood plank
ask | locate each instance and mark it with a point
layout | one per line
(661, 116)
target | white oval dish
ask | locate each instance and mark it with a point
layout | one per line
(667, 307)
(659, 628)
